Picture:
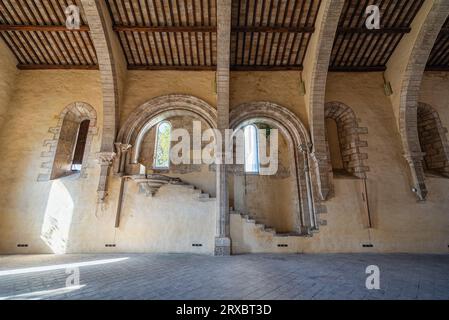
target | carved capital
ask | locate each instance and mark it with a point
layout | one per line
(122, 147)
(105, 158)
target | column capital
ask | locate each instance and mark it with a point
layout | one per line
(105, 158)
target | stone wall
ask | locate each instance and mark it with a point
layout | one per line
(269, 199)
(433, 140)
(32, 208)
(63, 216)
(8, 74)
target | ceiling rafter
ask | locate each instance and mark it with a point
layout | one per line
(358, 49)
(35, 32)
(439, 57)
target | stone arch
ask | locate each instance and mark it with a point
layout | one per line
(349, 139)
(59, 148)
(298, 140)
(433, 140)
(408, 92)
(151, 113)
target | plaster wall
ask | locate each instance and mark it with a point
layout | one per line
(400, 223)
(173, 220)
(8, 75)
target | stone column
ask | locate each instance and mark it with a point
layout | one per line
(316, 66)
(112, 67)
(222, 236)
(405, 71)
(309, 218)
(415, 161)
(122, 152)
(105, 159)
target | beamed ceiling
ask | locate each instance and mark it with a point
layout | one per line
(271, 34)
(357, 48)
(439, 57)
(181, 34)
(160, 34)
(36, 33)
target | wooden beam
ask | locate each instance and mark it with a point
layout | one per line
(375, 31)
(269, 29)
(266, 68)
(438, 68)
(168, 68)
(266, 29)
(358, 69)
(213, 68)
(56, 67)
(7, 27)
(164, 28)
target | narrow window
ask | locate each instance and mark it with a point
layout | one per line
(251, 149)
(78, 153)
(162, 149)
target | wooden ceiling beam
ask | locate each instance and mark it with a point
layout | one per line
(56, 67)
(438, 68)
(270, 29)
(7, 27)
(168, 68)
(164, 28)
(266, 68)
(266, 29)
(375, 31)
(358, 69)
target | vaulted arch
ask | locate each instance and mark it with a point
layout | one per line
(298, 140)
(153, 112)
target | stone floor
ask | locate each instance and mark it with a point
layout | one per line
(182, 276)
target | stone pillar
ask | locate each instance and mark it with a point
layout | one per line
(222, 236)
(405, 70)
(309, 218)
(316, 66)
(417, 174)
(112, 67)
(105, 159)
(122, 152)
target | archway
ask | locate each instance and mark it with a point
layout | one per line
(298, 141)
(148, 115)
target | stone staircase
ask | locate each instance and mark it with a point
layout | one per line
(267, 230)
(151, 183)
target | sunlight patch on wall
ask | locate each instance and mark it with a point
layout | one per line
(58, 218)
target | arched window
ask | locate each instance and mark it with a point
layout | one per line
(251, 149)
(433, 141)
(162, 146)
(78, 151)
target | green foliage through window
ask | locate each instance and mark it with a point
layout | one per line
(162, 151)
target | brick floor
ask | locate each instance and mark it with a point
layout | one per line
(183, 276)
